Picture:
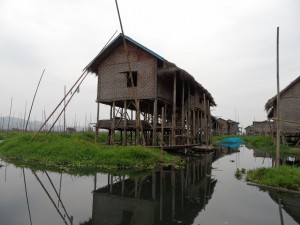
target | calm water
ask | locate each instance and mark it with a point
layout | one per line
(205, 192)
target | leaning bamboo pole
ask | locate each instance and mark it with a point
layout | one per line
(29, 114)
(78, 80)
(66, 106)
(24, 119)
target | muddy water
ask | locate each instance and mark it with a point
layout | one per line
(205, 192)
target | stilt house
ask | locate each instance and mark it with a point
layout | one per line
(153, 102)
(289, 110)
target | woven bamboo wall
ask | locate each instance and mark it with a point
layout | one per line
(112, 83)
(290, 109)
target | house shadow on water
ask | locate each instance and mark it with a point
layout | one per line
(167, 196)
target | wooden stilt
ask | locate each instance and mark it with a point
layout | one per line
(137, 132)
(189, 114)
(194, 126)
(182, 114)
(154, 125)
(97, 122)
(112, 135)
(174, 111)
(205, 120)
(125, 123)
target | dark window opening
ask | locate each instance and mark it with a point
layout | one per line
(134, 78)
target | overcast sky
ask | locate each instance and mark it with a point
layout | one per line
(228, 46)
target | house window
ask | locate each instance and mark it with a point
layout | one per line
(134, 78)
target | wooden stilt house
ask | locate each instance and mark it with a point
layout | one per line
(153, 102)
(289, 112)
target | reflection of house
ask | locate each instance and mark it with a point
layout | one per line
(115, 210)
(148, 96)
(289, 111)
(165, 197)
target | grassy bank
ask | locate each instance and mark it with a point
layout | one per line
(284, 177)
(78, 151)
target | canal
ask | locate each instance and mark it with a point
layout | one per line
(206, 192)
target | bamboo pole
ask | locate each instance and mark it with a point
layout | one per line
(8, 123)
(80, 79)
(24, 119)
(133, 88)
(277, 164)
(33, 100)
(65, 109)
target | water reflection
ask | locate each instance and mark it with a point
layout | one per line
(166, 196)
(289, 202)
(205, 192)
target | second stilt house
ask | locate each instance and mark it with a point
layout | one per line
(153, 102)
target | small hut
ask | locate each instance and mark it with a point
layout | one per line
(249, 130)
(289, 112)
(263, 128)
(223, 126)
(233, 127)
(153, 102)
